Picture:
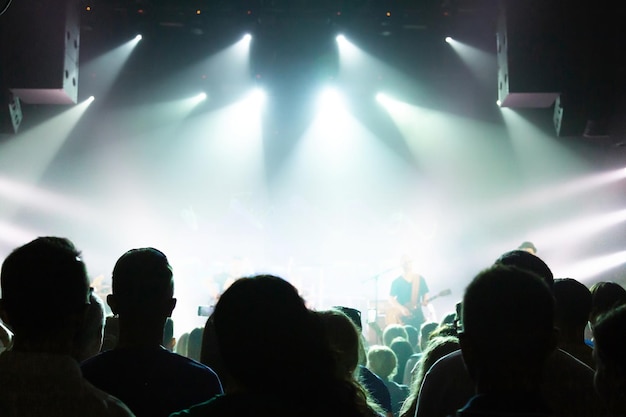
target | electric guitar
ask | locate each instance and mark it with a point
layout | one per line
(416, 314)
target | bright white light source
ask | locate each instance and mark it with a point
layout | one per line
(90, 99)
(341, 38)
(200, 97)
(331, 103)
(138, 38)
(330, 97)
(383, 99)
(247, 37)
(499, 103)
(258, 96)
(448, 39)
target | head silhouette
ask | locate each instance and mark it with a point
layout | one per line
(44, 277)
(143, 285)
(507, 327)
(267, 311)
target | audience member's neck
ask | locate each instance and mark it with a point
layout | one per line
(571, 336)
(54, 347)
(135, 332)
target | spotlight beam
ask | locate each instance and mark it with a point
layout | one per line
(39, 146)
(107, 67)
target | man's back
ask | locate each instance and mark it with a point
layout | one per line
(152, 381)
(50, 385)
(568, 387)
(38, 375)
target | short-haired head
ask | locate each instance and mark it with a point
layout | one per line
(43, 277)
(392, 331)
(527, 261)
(604, 297)
(573, 303)
(425, 331)
(508, 313)
(142, 278)
(353, 314)
(402, 348)
(382, 361)
(609, 348)
(413, 335)
(610, 343)
(344, 339)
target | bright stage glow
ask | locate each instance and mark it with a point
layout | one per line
(90, 99)
(382, 98)
(247, 37)
(359, 70)
(579, 229)
(105, 68)
(35, 197)
(13, 235)
(539, 153)
(591, 267)
(331, 100)
(481, 64)
(554, 192)
(138, 38)
(200, 97)
(225, 148)
(39, 146)
(498, 103)
(458, 154)
(258, 96)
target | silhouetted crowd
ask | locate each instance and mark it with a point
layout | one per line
(520, 344)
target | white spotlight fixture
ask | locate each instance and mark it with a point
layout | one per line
(448, 39)
(138, 38)
(340, 38)
(247, 37)
(201, 97)
(499, 103)
(90, 99)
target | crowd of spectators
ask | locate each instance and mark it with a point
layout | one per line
(521, 343)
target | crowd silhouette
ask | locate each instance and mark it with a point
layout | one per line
(521, 343)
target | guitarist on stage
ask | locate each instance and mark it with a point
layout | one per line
(409, 292)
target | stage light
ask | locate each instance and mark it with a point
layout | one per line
(200, 97)
(383, 98)
(138, 38)
(247, 37)
(331, 103)
(499, 103)
(90, 99)
(340, 38)
(329, 96)
(448, 39)
(258, 96)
